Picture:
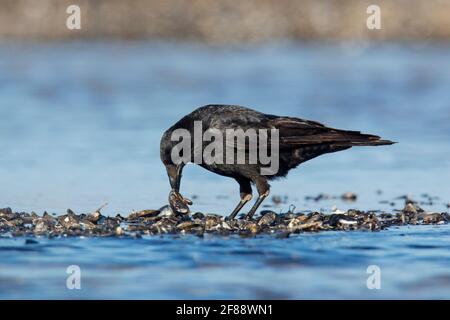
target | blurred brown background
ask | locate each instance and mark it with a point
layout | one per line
(226, 21)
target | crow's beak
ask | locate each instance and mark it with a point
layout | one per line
(174, 172)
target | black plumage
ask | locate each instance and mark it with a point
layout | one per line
(299, 141)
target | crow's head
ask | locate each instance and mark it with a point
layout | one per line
(174, 168)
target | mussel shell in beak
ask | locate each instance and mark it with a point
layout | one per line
(178, 204)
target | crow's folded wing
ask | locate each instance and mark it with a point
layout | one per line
(293, 133)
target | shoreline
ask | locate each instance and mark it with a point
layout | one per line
(226, 22)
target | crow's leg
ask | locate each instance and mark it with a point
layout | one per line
(263, 190)
(245, 190)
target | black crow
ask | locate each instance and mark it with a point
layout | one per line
(299, 140)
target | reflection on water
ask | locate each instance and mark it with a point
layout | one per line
(81, 124)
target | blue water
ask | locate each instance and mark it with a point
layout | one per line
(81, 123)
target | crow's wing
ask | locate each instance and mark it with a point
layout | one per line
(294, 133)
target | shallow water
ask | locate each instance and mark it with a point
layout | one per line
(81, 124)
(327, 265)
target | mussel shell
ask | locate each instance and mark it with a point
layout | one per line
(178, 204)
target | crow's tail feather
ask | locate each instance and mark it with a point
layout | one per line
(336, 138)
(296, 132)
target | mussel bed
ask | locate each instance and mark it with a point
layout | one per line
(164, 221)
